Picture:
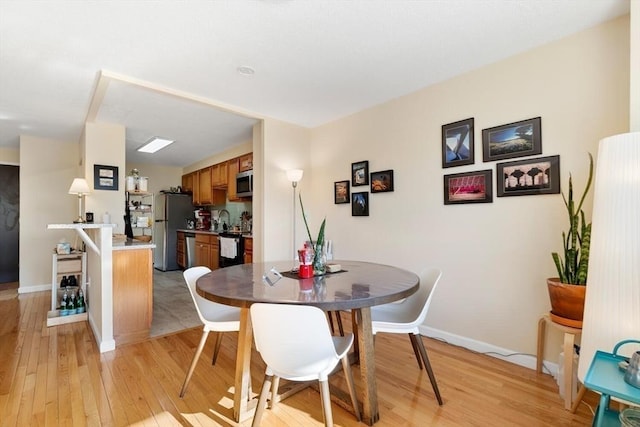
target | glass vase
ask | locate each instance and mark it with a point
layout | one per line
(319, 262)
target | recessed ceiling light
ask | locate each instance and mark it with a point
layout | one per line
(245, 70)
(155, 144)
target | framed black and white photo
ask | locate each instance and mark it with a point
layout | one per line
(105, 177)
(516, 139)
(340, 192)
(529, 177)
(468, 187)
(360, 173)
(457, 143)
(360, 204)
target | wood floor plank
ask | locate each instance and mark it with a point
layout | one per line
(57, 377)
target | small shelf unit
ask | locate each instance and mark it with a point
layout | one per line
(140, 205)
(73, 264)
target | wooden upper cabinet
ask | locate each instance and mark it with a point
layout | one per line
(219, 175)
(205, 189)
(187, 182)
(246, 162)
(233, 166)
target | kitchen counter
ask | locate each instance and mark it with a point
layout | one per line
(214, 233)
(131, 244)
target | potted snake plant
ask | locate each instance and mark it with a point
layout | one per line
(567, 291)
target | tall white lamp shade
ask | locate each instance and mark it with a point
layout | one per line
(80, 187)
(294, 175)
(612, 305)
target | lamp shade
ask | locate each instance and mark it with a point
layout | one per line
(294, 175)
(79, 186)
(612, 305)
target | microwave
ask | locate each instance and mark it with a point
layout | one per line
(244, 184)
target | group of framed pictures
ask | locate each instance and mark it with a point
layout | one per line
(379, 182)
(515, 178)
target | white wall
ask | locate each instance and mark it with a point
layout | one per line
(495, 257)
(47, 169)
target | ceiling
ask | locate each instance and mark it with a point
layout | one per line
(170, 68)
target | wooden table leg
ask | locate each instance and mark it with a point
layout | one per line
(370, 412)
(542, 323)
(241, 410)
(568, 369)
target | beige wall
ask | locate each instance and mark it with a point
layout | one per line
(238, 150)
(160, 177)
(9, 156)
(47, 169)
(495, 257)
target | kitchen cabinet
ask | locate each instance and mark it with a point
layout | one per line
(246, 162)
(219, 175)
(233, 167)
(181, 257)
(74, 264)
(207, 251)
(205, 190)
(248, 250)
(203, 193)
(187, 182)
(141, 211)
(132, 294)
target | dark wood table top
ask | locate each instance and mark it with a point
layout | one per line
(360, 284)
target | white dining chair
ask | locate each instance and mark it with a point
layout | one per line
(215, 317)
(405, 318)
(296, 344)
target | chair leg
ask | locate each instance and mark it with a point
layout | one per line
(427, 365)
(262, 400)
(326, 403)
(413, 339)
(274, 392)
(194, 361)
(330, 317)
(354, 329)
(348, 374)
(217, 348)
(339, 319)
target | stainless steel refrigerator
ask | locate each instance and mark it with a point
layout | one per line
(172, 211)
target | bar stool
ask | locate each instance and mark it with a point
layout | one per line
(570, 335)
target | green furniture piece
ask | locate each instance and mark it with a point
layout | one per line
(607, 378)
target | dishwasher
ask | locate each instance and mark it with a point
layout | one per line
(190, 243)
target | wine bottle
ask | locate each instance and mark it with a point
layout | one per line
(64, 282)
(80, 308)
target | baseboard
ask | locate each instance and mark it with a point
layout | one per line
(511, 356)
(36, 288)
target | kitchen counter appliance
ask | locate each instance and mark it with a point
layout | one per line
(231, 249)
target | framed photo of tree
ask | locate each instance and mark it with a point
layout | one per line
(529, 177)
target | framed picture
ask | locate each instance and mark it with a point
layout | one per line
(530, 176)
(517, 139)
(382, 181)
(468, 187)
(105, 177)
(457, 143)
(360, 204)
(340, 192)
(360, 173)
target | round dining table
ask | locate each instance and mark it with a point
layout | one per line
(357, 287)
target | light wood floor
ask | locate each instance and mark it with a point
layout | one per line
(55, 376)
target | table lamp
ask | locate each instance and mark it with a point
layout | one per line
(612, 304)
(80, 187)
(294, 175)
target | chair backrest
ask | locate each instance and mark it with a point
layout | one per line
(191, 275)
(293, 339)
(419, 302)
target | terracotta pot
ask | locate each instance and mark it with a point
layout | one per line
(567, 302)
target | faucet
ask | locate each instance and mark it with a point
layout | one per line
(222, 211)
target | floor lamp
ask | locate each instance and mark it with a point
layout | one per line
(612, 304)
(294, 175)
(80, 187)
